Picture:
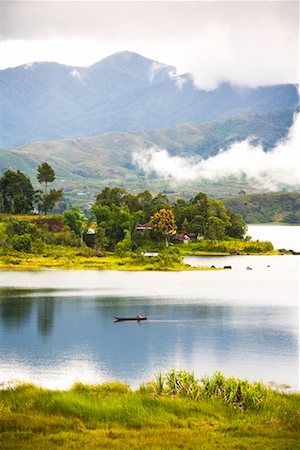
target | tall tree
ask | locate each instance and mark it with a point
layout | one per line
(45, 174)
(46, 202)
(17, 192)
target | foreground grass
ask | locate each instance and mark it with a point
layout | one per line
(154, 417)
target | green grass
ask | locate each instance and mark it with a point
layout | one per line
(227, 247)
(61, 257)
(163, 414)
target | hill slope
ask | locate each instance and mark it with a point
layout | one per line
(271, 207)
(107, 159)
(124, 92)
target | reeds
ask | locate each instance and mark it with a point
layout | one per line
(233, 391)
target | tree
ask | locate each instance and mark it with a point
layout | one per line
(145, 199)
(237, 227)
(74, 219)
(111, 196)
(16, 192)
(45, 174)
(46, 202)
(49, 200)
(216, 228)
(163, 223)
(201, 213)
(114, 221)
(101, 241)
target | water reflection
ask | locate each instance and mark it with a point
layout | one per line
(14, 311)
(45, 315)
(239, 321)
(76, 338)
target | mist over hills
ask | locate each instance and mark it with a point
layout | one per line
(126, 93)
(107, 159)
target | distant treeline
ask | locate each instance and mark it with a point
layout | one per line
(267, 207)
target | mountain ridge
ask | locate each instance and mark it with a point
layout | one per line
(124, 92)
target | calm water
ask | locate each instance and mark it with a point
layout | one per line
(282, 236)
(57, 326)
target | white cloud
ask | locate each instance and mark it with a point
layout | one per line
(155, 68)
(271, 170)
(245, 43)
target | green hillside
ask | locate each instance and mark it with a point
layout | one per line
(268, 207)
(92, 163)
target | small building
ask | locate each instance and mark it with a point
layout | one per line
(143, 227)
(149, 254)
(90, 237)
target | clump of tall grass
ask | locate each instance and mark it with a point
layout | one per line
(239, 393)
(233, 391)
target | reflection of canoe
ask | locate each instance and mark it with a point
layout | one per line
(137, 318)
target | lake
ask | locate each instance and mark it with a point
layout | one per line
(282, 236)
(57, 327)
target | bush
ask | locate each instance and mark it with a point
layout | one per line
(21, 243)
(170, 255)
(124, 247)
(20, 227)
(38, 246)
(67, 238)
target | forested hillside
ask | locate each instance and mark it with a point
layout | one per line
(268, 207)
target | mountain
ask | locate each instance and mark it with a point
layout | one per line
(124, 92)
(107, 159)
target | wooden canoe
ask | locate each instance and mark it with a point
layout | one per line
(137, 318)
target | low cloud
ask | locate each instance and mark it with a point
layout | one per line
(248, 43)
(272, 170)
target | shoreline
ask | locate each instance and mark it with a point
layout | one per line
(111, 262)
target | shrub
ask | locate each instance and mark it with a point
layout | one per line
(124, 247)
(21, 243)
(67, 238)
(20, 227)
(38, 246)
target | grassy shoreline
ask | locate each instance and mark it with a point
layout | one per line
(111, 262)
(155, 416)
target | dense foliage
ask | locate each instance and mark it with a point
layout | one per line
(17, 195)
(155, 219)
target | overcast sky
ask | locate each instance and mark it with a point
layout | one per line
(247, 43)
